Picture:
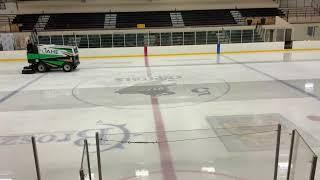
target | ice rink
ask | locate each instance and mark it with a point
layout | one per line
(175, 117)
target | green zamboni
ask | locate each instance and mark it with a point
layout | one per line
(45, 57)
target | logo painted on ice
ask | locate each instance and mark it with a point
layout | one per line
(77, 137)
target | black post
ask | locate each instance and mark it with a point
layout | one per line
(314, 167)
(36, 159)
(277, 153)
(291, 153)
(81, 174)
(98, 155)
(9, 23)
(88, 159)
(17, 6)
(75, 39)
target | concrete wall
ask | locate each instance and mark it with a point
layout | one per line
(247, 47)
(306, 45)
(177, 50)
(111, 52)
(300, 32)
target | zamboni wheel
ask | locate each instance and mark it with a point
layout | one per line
(67, 67)
(41, 67)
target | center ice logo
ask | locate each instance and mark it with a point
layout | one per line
(116, 133)
(111, 137)
(173, 90)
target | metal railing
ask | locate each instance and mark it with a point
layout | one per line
(262, 147)
(301, 10)
(306, 12)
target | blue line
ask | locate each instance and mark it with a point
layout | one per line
(19, 89)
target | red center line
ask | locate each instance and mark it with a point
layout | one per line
(146, 62)
(167, 167)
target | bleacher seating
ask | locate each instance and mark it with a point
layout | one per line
(261, 12)
(155, 19)
(27, 21)
(150, 19)
(76, 21)
(301, 12)
(207, 17)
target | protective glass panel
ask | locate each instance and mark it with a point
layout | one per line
(247, 36)
(201, 38)
(258, 35)
(317, 33)
(284, 152)
(131, 40)
(302, 156)
(189, 38)
(236, 36)
(82, 41)
(310, 31)
(17, 158)
(57, 40)
(44, 39)
(268, 35)
(166, 39)
(263, 34)
(106, 40)
(94, 41)
(212, 37)
(143, 39)
(128, 157)
(154, 39)
(226, 36)
(118, 40)
(59, 155)
(218, 153)
(177, 38)
(280, 35)
(69, 40)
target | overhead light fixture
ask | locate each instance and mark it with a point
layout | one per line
(142, 173)
(208, 169)
(283, 165)
(309, 87)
